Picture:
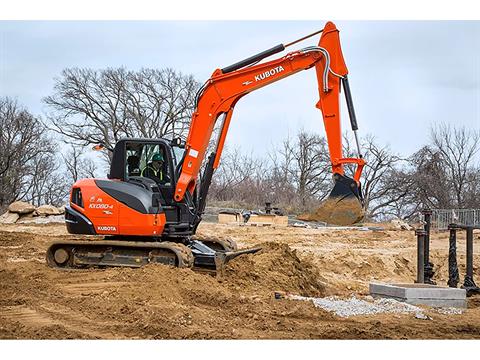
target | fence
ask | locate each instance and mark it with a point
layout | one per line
(441, 218)
(425, 269)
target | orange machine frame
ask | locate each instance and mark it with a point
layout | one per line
(222, 91)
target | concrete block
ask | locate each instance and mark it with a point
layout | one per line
(421, 294)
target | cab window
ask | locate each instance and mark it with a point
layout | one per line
(148, 160)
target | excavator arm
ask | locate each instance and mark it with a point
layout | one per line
(218, 96)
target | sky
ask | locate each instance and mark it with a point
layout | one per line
(405, 76)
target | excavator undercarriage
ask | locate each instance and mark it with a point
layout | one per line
(191, 253)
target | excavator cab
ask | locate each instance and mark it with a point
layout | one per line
(133, 163)
(152, 160)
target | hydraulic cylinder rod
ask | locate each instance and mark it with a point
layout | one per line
(351, 112)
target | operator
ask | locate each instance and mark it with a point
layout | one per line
(154, 169)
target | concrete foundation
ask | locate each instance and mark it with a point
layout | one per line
(421, 294)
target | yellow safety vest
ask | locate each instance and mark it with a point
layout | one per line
(155, 172)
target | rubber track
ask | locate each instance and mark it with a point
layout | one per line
(183, 253)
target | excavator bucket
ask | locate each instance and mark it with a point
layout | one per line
(344, 205)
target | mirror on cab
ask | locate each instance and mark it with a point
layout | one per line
(178, 142)
(98, 147)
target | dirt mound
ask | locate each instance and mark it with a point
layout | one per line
(157, 301)
(276, 267)
(343, 212)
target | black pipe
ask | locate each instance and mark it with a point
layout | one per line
(348, 98)
(426, 227)
(420, 256)
(470, 252)
(428, 265)
(453, 277)
(253, 59)
(468, 283)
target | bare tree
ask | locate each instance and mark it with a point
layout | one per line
(472, 190)
(77, 165)
(380, 188)
(383, 184)
(25, 145)
(444, 174)
(282, 190)
(238, 178)
(305, 164)
(456, 148)
(91, 107)
(45, 184)
(430, 183)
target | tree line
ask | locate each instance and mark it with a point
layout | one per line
(444, 173)
(42, 157)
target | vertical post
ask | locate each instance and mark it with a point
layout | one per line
(470, 252)
(468, 283)
(427, 214)
(420, 256)
(268, 207)
(427, 217)
(453, 277)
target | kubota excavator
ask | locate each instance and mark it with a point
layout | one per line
(146, 220)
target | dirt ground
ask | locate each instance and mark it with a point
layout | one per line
(158, 302)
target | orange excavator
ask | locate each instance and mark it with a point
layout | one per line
(145, 219)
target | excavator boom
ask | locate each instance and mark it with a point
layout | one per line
(219, 95)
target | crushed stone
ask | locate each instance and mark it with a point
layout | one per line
(356, 307)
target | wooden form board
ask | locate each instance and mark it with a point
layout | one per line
(260, 220)
(275, 220)
(230, 218)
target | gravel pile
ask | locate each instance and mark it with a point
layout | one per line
(355, 307)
